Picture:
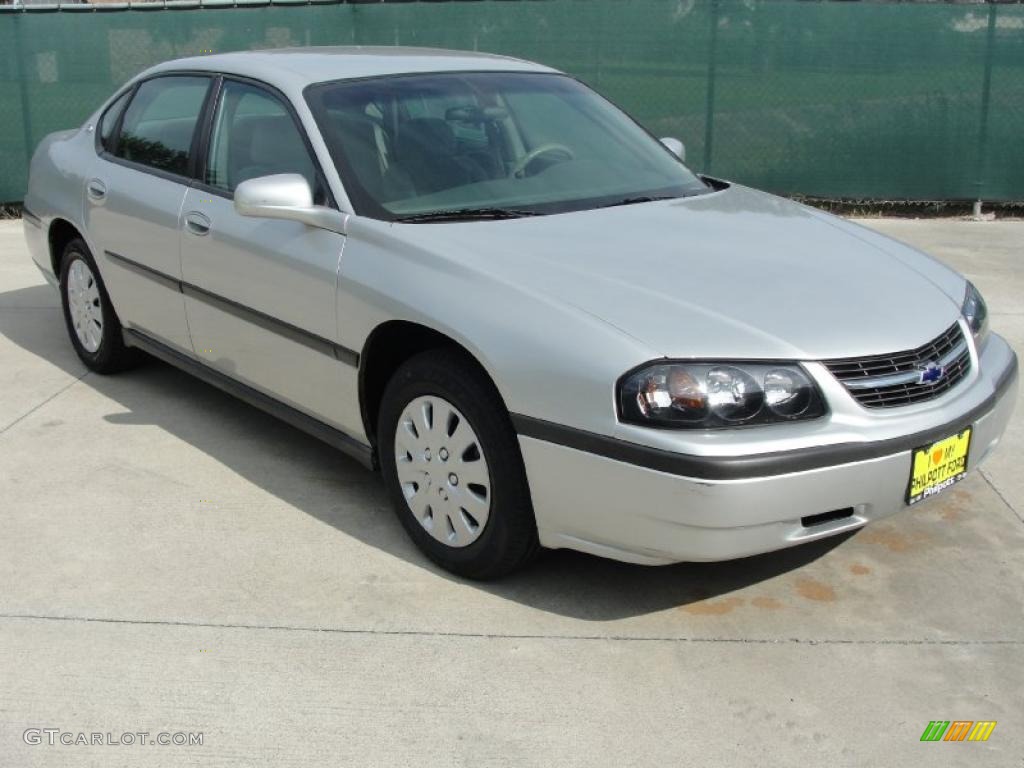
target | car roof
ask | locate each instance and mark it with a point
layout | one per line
(292, 69)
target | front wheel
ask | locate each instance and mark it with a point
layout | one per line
(453, 468)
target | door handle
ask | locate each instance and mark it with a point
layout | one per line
(197, 223)
(96, 189)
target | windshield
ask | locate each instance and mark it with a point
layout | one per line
(412, 146)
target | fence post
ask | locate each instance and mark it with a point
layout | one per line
(26, 117)
(981, 167)
(709, 106)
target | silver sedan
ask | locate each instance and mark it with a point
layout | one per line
(478, 276)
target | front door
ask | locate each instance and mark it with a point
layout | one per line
(260, 294)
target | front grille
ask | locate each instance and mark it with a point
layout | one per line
(889, 381)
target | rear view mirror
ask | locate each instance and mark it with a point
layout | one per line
(286, 196)
(675, 146)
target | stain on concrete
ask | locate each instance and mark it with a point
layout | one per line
(953, 505)
(859, 570)
(891, 539)
(811, 589)
(955, 508)
(714, 607)
(768, 603)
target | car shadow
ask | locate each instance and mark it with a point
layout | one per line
(283, 461)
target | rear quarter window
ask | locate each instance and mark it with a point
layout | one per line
(109, 121)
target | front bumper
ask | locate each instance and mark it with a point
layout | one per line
(647, 506)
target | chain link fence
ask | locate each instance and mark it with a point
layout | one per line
(840, 100)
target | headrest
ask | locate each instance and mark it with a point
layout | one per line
(266, 145)
(430, 134)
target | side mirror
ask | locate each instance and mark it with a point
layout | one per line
(286, 196)
(675, 146)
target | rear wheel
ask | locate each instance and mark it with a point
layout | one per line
(452, 464)
(91, 321)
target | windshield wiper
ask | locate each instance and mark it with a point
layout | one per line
(638, 199)
(466, 214)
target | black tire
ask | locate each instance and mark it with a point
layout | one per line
(111, 355)
(508, 540)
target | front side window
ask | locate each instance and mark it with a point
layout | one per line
(160, 121)
(408, 146)
(254, 135)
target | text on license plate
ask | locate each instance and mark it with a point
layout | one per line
(937, 466)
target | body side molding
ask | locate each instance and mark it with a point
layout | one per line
(268, 323)
(344, 442)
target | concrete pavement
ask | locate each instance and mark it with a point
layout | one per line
(172, 560)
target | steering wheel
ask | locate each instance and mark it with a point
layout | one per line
(519, 170)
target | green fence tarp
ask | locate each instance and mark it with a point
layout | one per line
(829, 99)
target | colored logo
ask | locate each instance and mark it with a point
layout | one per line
(958, 730)
(930, 372)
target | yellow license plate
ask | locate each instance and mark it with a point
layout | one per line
(937, 466)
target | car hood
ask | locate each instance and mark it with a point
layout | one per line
(733, 273)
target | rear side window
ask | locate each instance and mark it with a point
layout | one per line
(109, 121)
(160, 121)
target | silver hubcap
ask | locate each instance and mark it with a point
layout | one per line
(442, 471)
(84, 305)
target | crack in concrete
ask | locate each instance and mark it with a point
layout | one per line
(1000, 495)
(924, 641)
(52, 397)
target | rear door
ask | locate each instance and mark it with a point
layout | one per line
(260, 294)
(134, 198)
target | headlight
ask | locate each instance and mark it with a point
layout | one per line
(714, 395)
(975, 313)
